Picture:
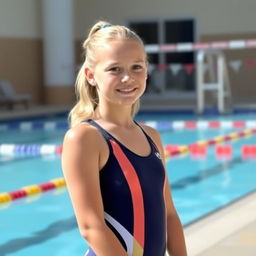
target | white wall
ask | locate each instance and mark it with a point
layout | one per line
(214, 16)
(20, 18)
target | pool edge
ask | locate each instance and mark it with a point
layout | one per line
(211, 230)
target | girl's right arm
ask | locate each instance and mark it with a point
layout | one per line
(81, 154)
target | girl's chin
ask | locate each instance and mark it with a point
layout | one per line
(126, 103)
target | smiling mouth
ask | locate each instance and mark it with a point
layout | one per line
(126, 90)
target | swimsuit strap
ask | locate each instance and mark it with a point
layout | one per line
(104, 133)
(109, 137)
(148, 137)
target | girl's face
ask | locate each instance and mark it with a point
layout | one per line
(120, 72)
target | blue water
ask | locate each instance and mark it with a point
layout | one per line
(45, 224)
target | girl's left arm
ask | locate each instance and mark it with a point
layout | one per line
(175, 237)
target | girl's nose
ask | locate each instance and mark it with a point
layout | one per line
(125, 78)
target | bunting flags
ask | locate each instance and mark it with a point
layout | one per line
(175, 68)
(249, 63)
(189, 68)
(150, 68)
(235, 65)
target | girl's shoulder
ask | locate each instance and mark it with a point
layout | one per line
(82, 133)
(85, 144)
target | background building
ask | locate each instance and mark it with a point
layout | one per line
(24, 31)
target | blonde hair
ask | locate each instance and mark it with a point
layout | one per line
(87, 97)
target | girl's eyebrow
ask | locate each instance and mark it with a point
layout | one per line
(140, 60)
(111, 64)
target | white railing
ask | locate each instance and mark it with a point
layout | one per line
(218, 79)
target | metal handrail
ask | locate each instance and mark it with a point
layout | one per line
(219, 78)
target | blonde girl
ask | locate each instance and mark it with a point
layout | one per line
(114, 167)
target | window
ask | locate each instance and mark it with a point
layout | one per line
(169, 71)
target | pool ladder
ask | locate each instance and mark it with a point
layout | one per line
(215, 61)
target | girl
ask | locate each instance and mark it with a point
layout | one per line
(114, 167)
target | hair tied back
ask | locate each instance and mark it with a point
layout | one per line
(106, 26)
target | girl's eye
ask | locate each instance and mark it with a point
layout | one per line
(115, 69)
(137, 67)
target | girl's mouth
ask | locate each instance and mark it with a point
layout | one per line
(126, 90)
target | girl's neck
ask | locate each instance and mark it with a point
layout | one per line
(119, 116)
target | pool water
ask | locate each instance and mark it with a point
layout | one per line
(45, 224)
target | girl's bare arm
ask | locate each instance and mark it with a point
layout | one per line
(81, 164)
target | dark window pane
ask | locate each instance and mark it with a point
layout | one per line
(179, 31)
(148, 31)
(153, 58)
(182, 58)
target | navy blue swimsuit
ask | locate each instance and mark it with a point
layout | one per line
(132, 189)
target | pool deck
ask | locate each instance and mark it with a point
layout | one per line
(230, 231)
(32, 111)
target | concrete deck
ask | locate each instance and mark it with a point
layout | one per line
(230, 231)
(32, 111)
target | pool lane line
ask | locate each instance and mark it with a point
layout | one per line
(36, 125)
(179, 125)
(29, 149)
(222, 152)
(159, 125)
(185, 149)
(31, 190)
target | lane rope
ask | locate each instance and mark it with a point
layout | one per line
(36, 125)
(30, 149)
(200, 125)
(32, 190)
(222, 152)
(45, 150)
(159, 125)
(181, 150)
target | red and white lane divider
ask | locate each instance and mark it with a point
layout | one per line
(200, 125)
(181, 150)
(190, 46)
(159, 125)
(32, 190)
(222, 152)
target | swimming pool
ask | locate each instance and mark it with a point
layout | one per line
(45, 224)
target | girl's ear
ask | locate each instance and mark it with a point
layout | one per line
(89, 76)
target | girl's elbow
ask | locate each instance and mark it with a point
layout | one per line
(88, 231)
(85, 232)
